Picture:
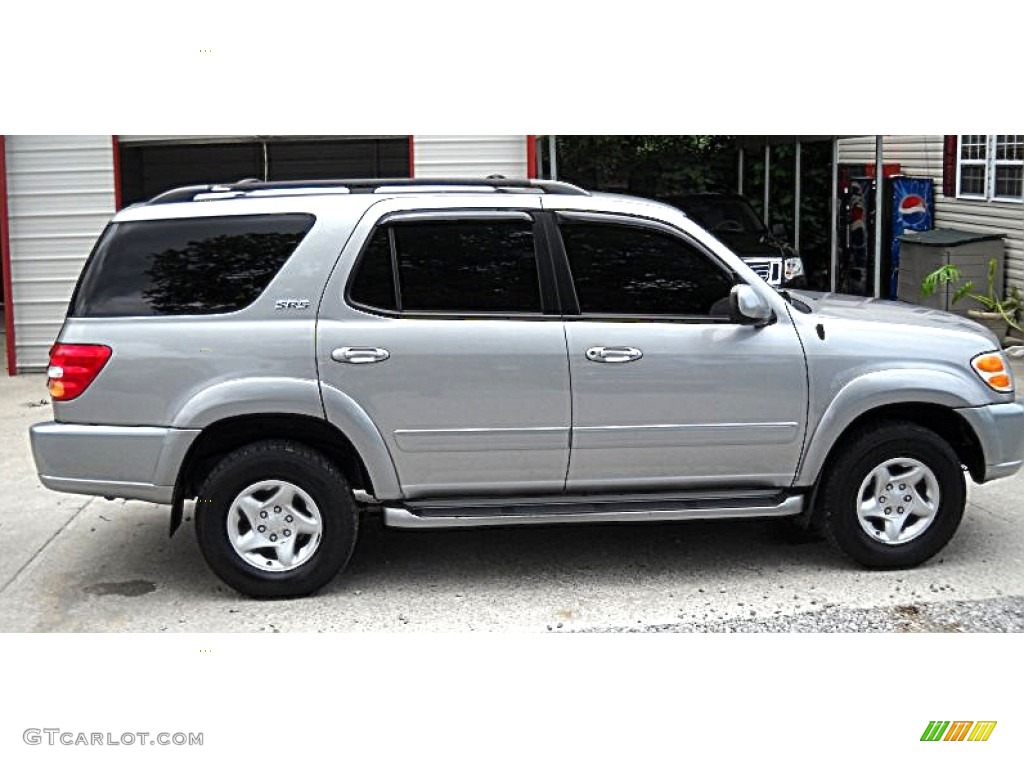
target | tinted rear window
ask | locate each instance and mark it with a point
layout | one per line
(455, 267)
(468, 266)
(198, 266)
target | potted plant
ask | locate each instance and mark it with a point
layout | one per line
(999, 315)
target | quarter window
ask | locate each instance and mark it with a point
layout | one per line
(620, 269)
(458, 267)
(193, 266)
(374, 282)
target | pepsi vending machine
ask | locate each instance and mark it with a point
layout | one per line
(908, 204)
(913, 210)
(857, 217)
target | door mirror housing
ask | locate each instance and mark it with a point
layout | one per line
(780, 231)
(746, 307)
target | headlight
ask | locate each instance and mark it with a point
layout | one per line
(994, 371)
(793, 267)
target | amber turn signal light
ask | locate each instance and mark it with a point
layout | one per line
(990, 363)
(991, 367)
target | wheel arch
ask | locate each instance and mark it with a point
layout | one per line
(943, 420)
(221, 437)
(923, 395)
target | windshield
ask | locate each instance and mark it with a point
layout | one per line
(722, 214)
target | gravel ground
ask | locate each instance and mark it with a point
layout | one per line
(1005, 614)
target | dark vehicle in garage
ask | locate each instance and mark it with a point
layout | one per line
(732, 219)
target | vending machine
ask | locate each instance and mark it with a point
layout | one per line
(913, 210)
(908, 204)
(858, 222)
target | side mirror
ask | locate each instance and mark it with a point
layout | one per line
(746, 307)
(779, 231)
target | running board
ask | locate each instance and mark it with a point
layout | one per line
(617, 511)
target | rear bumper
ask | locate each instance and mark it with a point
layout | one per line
(1000, 429)
(124, 462)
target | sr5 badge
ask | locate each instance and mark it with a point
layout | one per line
(291, 304)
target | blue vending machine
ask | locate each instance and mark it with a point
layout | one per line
(913, 210)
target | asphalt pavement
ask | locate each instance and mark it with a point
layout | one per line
(74, 563)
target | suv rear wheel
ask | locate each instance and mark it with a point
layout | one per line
(894, 496)
(276, 519)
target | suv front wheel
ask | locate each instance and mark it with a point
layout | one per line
(276, 519)
(894, 496)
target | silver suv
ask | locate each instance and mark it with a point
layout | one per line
(474, 353)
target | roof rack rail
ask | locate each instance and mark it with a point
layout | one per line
(356, 186)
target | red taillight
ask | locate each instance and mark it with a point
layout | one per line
(73, 368)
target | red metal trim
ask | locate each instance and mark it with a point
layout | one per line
(412, 157)
(888, 170)
(117, 172)
(531, 157)
(5, 257)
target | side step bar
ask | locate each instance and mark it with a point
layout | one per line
(590, 511)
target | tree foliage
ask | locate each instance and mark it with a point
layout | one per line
(652, 166)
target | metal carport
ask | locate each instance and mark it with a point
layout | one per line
(765, 143)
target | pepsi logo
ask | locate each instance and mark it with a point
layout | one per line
(913, 212)
(913, 204)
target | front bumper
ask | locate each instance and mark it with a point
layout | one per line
(1000, 430)
(123, 462)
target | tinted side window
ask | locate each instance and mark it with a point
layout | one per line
(186, 266)
(373, 284)
(460, 267)
(630, 270)
(467, 266)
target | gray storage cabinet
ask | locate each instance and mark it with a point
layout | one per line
(924, 252)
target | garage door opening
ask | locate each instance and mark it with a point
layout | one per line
(147, 169)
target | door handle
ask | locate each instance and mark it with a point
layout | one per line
(360, 355)
(613, 354)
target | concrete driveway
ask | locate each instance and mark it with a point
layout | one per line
(78, 564)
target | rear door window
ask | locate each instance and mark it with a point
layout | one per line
(482, 266)
(196, 266)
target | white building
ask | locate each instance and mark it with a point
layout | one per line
(979, 182)
(58, 192)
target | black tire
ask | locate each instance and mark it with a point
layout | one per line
(301, 466)
(866, 450)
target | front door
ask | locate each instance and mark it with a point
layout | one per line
(667, 392)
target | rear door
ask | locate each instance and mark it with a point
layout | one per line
(667, 391)
(445, 333)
